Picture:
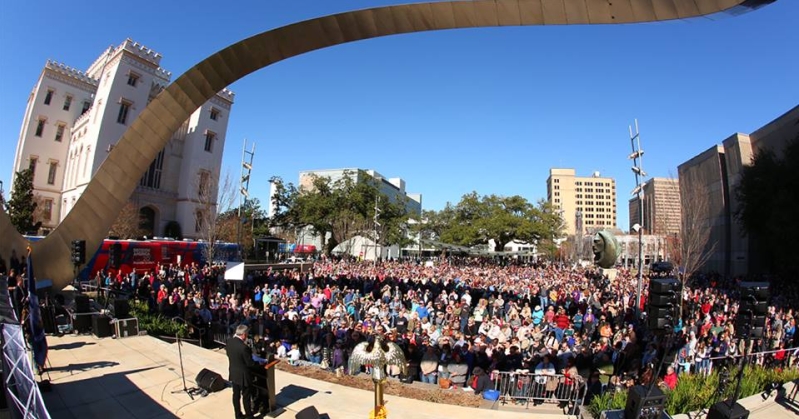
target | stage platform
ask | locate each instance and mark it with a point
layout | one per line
(135, 377)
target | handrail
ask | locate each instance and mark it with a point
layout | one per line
(788, 351)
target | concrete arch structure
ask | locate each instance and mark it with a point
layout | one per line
(117, 177)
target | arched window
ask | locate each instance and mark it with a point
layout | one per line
(147, 221)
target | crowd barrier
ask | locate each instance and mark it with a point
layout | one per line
(524, 388)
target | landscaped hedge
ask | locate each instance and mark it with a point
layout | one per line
(156, 324)
(696, 392)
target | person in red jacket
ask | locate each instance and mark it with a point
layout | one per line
(562, 320)
(670, 379)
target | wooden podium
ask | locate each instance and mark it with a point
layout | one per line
(274, 411)
(269, 380)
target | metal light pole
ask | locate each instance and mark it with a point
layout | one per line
(246, 170)
(578, 236)
(636, 157)
(376, 227)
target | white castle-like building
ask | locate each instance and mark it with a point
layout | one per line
(74, 118)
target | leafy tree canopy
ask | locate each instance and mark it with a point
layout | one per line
(478, 219)
(341, 209)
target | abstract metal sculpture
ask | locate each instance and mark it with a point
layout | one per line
(377, 354)
(116, 179)
(606, 249)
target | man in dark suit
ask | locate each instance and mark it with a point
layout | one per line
(241, 362)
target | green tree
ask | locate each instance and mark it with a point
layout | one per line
(477, 220)
(339, 210)
(251, 222)
(22, 205)
(767, 208)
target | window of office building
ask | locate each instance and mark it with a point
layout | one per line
(133, 79)
(67, 102)
(59, 132)
(205, 183)
(48, 97)
(52, 172)
(40, 127)
(214, 114)
(124, 108)
(32, 165)
(47, 210)
(198, 221)
(209, 141)
(152, 177)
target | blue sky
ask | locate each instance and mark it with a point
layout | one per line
(489, 109)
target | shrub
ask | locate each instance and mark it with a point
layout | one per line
(155, 324)
(695, 392)
(607, 401)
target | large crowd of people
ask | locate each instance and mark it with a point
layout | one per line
(463, 319)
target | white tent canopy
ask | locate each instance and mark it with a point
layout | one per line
(234, 271)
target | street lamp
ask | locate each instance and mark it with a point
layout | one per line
(637, 157)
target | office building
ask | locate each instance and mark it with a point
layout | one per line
(585, 203)
(715, 174)
(74, 118)
(661, 197)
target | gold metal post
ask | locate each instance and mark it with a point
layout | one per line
(378, 395)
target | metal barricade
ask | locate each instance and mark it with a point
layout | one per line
(523, 388)
(220, 333)
(768, 359)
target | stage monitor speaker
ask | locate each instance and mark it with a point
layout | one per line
(644, 405)
(121, 308)
(101, 326)
(127, 327)
(210, 381)
(309, 412)
(82, 323)
(82, 304)
(723, 410)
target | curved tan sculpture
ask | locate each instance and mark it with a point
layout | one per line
(117, 177)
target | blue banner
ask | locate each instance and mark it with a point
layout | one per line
(38, 339)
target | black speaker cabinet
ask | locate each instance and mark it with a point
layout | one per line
(82, 323)
(82, 303)
(101, 326)
(121, 308)
(723, 410)
(48, 320)
(309, 412)
(644, 405)
(210, 381)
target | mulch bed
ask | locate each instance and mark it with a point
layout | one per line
(394, 388)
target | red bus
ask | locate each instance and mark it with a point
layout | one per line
(146, 255)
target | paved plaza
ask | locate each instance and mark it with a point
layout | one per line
(136, 377)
